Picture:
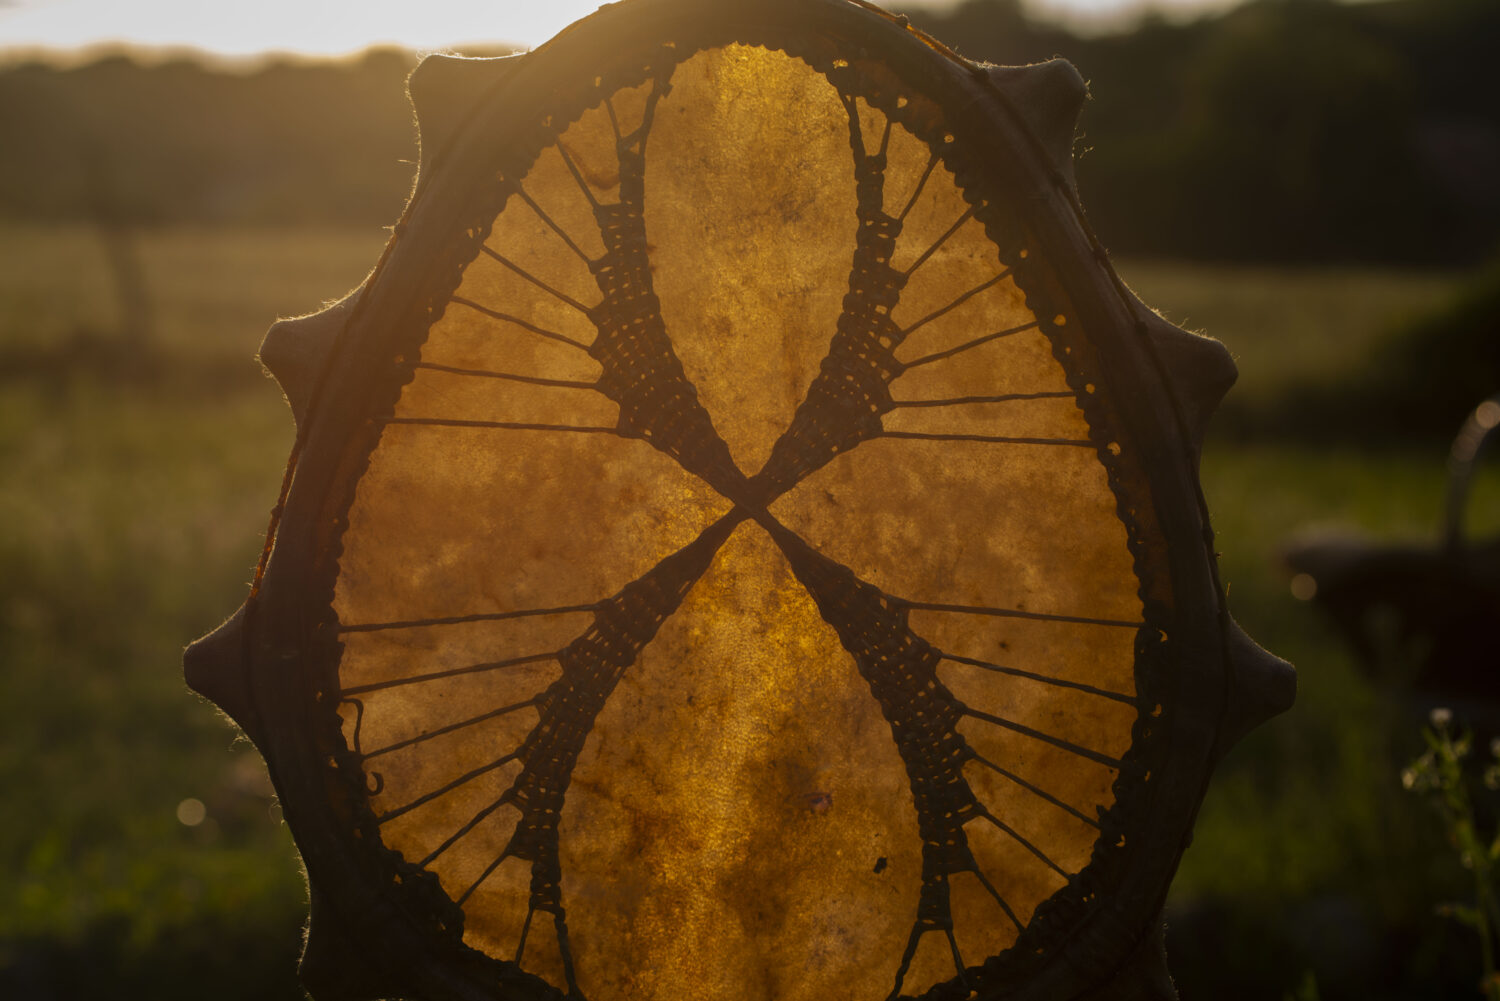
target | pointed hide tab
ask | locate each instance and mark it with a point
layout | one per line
(294, 351)
(1261, 686)
(1199, 369)
(444, 89)
(1048, 96)
(214, 667)
(334, 967)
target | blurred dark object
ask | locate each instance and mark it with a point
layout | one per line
(1422, 616)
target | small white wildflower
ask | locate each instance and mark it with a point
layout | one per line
(1441, 717)
(1408, 778)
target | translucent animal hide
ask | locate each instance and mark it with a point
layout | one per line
(735, 604)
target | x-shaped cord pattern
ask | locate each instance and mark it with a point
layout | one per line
(842, 408)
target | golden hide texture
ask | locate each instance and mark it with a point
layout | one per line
(702, 785)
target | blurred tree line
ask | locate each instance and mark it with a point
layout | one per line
(1283, 130)
(189, 142)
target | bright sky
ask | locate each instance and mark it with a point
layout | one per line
(329, 27)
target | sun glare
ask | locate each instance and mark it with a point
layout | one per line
(296, 26)
(338, 27)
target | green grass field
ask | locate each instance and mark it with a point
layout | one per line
(132, 510)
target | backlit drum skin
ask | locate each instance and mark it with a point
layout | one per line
(742, 541)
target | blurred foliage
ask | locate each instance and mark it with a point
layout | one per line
(1283, 130)
(1440, 776)
(1416, 380)
(1438, 365)
(131, 515)
(122, 538)
(186, 142)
